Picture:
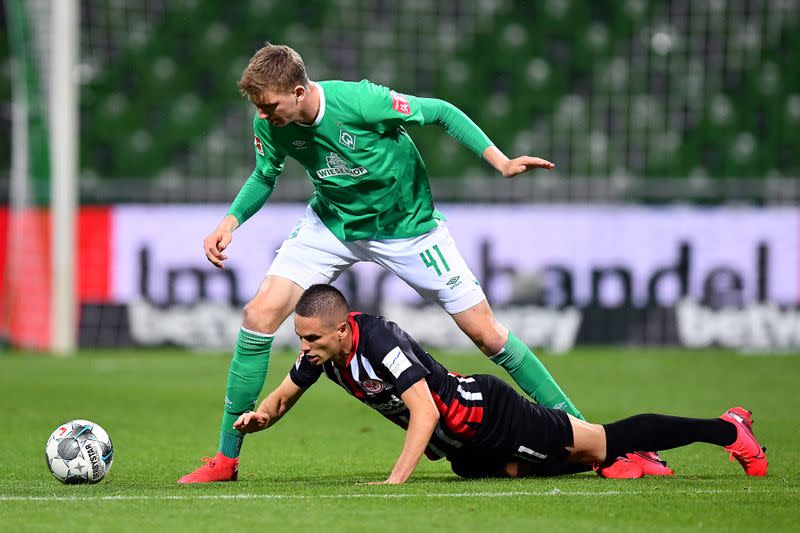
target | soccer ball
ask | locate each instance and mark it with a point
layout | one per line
(79, 451)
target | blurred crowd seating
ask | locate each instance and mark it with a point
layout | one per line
(631, 88)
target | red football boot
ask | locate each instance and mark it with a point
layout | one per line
(651, 463)
(622, 468)
(220, 468)
(746, 449)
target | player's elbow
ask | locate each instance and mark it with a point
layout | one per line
(433, 417)
(427, 416)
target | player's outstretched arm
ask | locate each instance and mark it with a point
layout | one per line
(512, 167)
(421, 423)
(219, 239)
(461, 128)
(272, 409)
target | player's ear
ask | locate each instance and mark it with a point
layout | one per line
(299, 93)
(342, 329)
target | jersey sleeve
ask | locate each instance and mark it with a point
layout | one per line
(303, 373)
(259, 186)
(456, 123)
(383, 109)
(389, 350)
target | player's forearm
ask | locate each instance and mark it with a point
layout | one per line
(275, 406)
(420, 429)
(455, 122)
(513, 167)
(271, 409)
(229, 223)
(495, 157)
(252, 197)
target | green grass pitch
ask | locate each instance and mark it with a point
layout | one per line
(162, 410)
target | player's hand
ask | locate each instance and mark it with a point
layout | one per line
(516, 166)
(218, 240)
(251, 422)
(215, 244)
(384, 482)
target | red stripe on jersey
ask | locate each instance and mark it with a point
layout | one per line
(351, 383)
(440, 405)
(458, 416)
(356, 335)
(430, 454)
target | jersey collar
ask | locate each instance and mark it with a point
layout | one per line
(321, 113)
(356, 335)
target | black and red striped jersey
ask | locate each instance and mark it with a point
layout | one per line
(384, 362)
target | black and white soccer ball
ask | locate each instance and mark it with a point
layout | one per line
(79, 451)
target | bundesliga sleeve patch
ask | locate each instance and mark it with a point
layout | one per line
(400, 103)
(258, 145)
(396, 361)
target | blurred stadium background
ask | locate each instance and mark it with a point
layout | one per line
(672, 217)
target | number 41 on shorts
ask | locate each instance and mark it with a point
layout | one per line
(430, 261)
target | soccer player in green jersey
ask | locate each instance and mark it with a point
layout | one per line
(372, 202)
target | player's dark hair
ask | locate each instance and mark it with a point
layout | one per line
(322, 301)
(274, 67)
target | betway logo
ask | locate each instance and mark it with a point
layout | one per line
(755, 327)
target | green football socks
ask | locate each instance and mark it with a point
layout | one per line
(246, 377)
(532, 377)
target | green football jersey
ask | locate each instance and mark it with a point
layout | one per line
(369, 178)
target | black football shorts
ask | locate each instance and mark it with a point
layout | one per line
(515, 429)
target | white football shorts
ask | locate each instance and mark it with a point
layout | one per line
(429, 263)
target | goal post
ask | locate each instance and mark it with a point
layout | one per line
(63, 113)
(39, 306)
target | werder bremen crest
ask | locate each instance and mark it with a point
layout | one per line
(338, 167)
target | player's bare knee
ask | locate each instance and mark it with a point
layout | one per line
(250, 315)
(259, 316)
(492, 336)
(512, 469)
(515, 469)
(489, 341)
(482, 328)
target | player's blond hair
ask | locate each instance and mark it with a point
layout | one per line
(275, 67)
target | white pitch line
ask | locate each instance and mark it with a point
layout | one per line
(189, 497)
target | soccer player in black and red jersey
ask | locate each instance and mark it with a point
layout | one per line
(479, 423)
